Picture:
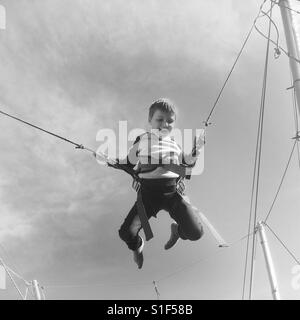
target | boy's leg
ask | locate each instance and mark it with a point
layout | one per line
(132, 224)
(189, 224)
(130, 228)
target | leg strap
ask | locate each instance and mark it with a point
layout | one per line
(143, 216)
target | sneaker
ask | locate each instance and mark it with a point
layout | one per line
(138, 255)
(174, 236)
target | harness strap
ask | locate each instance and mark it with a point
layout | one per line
(143, 216)
(181, 170)
(136, 184)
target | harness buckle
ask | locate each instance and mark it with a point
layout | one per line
(136, 185)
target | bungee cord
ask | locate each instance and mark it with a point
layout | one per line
(296, 118)
(281, 181)
(77, 145)
(207, 123)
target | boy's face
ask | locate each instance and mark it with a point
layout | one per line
(162, 121)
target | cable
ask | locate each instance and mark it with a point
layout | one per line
(251, 208)
(94, 285)
(204, 259)
(287, 249)
(278, 46)
(296, 119)
(280, 5)
(11, 278)
(77, 145)
(147, 283)
(232, 68)
(283, 176)
(17, 275)
(262, 108)
(9, 257)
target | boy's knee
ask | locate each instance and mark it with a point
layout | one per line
(124, 234)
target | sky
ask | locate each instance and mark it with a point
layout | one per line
(74, 67)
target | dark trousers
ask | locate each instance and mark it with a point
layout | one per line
(161, 194)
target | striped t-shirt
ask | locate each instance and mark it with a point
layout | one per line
(157, 149)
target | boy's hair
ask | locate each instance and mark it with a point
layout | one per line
(164, 105)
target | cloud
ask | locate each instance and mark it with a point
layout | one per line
(74, 67)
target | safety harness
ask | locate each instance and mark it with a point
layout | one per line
(183, 170)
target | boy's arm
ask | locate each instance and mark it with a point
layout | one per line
(132, 157)
(191, 158)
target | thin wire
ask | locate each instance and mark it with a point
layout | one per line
(11, 278)
(287, 249)
(251, 204)
(273, 23)
(94, 285)
(17, 275)
(254, 260)
(263, 98)
(39, 128)
(280, 5)
(278, 46)
(9, 257)
(148, 284)
(234, 64)
(77, 145)
(276, 43)
(251, 207)
(283, 176)
(204, 259)
(296, 118)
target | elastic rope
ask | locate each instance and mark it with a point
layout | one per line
(279, 187)
(77, 145)
(234, 64)
(296, 118)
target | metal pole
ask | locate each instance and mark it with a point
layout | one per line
(269, 261)
(36, 290)
(292, 41)
(11, 278)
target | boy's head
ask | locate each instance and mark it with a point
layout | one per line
(162, 115)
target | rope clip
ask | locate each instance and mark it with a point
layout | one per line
(206, 123)
(79, 146)
(277, 53)
(293, 86)
(297, 137)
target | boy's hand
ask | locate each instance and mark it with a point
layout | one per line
(198, 144)
(201, 140)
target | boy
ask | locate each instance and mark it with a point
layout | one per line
(156, 159)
